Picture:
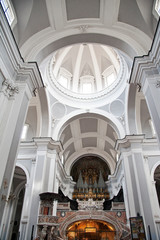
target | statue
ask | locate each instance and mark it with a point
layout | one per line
(54, 234)
(43, 232)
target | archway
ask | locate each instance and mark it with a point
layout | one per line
(90, 229)
(157, 180)
(118, 227)
(17, 197)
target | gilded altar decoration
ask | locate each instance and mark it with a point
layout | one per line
(90, 185)
(90, 174)
(90, 204)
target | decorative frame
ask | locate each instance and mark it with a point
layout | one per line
(137, 228)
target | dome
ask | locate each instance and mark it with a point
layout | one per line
(85, 71)
(86, 68)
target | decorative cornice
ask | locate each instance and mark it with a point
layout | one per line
(18, 69)
(147, 65)
(126, 142)
(43, 143)
(49, 143)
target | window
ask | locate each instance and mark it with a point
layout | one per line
(109, 76)
(64, 78)
(117, 157)
(86, 84)
(8, 10)
(87, 88)
(63, 81)
(157, 7)
(24, 132)
(62, 159)
(152, 128)
(110, 79)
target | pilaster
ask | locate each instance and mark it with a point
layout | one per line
(45, 167)
(18, 83)
(146, 74)
(137, 181)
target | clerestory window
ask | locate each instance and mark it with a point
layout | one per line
(157, 7)
(87, 88)
(63, 81)
(8, 10)
(24, 132)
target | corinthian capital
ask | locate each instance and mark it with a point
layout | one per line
(9, 89)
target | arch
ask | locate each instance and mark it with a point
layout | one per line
(45, 119)
(84, 215)
(153, 169)
(115, 123)
(131, 110)
(19, 188)
(157, 181)
(127, 38)
(25, 171)
(89, 151)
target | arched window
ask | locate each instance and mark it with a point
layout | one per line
(109, 76)
(64, 78)
(24, 132)
(9, 11)
(152, 128)
(87, 84)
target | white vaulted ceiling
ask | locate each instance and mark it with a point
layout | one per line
(85, 36)
(89, 134)
(126, 24)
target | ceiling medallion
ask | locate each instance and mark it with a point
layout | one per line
(83, 28)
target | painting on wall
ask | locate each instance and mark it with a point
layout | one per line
(137, 228)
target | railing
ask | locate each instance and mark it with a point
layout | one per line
(47, 219)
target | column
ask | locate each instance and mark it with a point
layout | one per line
(26, 202)
(137, 182)
(37, 188)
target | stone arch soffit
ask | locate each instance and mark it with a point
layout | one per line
(123, 37)
(89, 151)
(154, 169)
(25, 171)
(131, 109)
(108, 219)
(45, 122)
(19, 188)
(97, 113)
(87, 38)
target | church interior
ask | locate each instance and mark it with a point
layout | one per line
(79, 119)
